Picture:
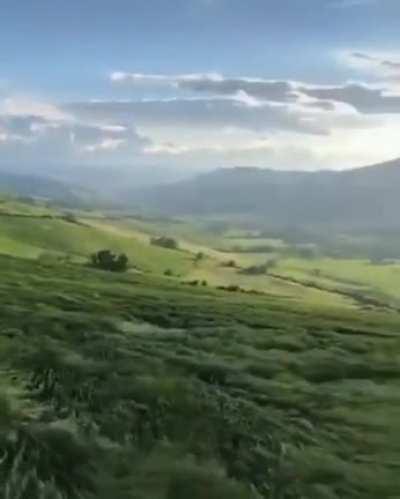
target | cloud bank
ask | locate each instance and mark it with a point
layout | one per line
(214, 119)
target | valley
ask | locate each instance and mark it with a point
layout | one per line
(199, 249)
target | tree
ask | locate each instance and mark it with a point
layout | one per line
(107, 260)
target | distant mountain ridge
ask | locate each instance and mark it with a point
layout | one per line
(360, 198)
(26, 185)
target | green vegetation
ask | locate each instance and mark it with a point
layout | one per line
(125, 385)
(193, 377)
(360, 277)
(29, 237)
(165, 242)
(260, 269)
(107, 260)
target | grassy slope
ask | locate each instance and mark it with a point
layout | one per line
(15, 207)
(258, 388)
(380, 281)
(211, 268)
(313, 384)
(29, 237)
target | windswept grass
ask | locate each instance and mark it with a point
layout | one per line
(152, 390)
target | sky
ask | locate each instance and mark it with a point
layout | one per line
(199, 84)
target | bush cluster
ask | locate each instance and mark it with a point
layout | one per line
(107, 260)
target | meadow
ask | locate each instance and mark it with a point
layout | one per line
(140, 386)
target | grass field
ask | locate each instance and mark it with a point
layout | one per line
(379, 281)
(140, 386)
(34, 231)
(135, 386)
(30, 237)
(11, 206)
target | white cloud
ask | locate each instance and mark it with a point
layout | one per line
(25, 106)
(384, 65)
(36, 131)
(212, 120)
(107, 144)
(284, 150)
(175, 80)
(241, 111)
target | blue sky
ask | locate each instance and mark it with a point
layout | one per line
(201, 83)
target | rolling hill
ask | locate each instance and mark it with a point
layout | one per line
(129, 386)
(358, 199)
(35, 231)
(139, 385)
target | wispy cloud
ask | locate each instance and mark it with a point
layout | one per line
(382, 65)
(34, 130)
(344, 4)
(292, 98)
(379, 61)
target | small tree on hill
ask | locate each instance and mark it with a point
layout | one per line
(107, 260)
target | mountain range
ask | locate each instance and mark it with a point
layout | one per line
(49, 189)
(362, 198)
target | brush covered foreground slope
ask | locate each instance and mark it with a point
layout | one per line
(138, 386)
(128, 386)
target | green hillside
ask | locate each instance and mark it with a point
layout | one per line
(32, 236)
(34, 231)
(129, 386)
(211, 383)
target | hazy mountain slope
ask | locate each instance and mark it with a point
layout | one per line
(360, 198)
(107, 180)
(43, 187)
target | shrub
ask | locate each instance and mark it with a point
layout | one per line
(255, 270)
(168, 273)
(199, 256)
(107, 260)
(232, 288)
(165, 242)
